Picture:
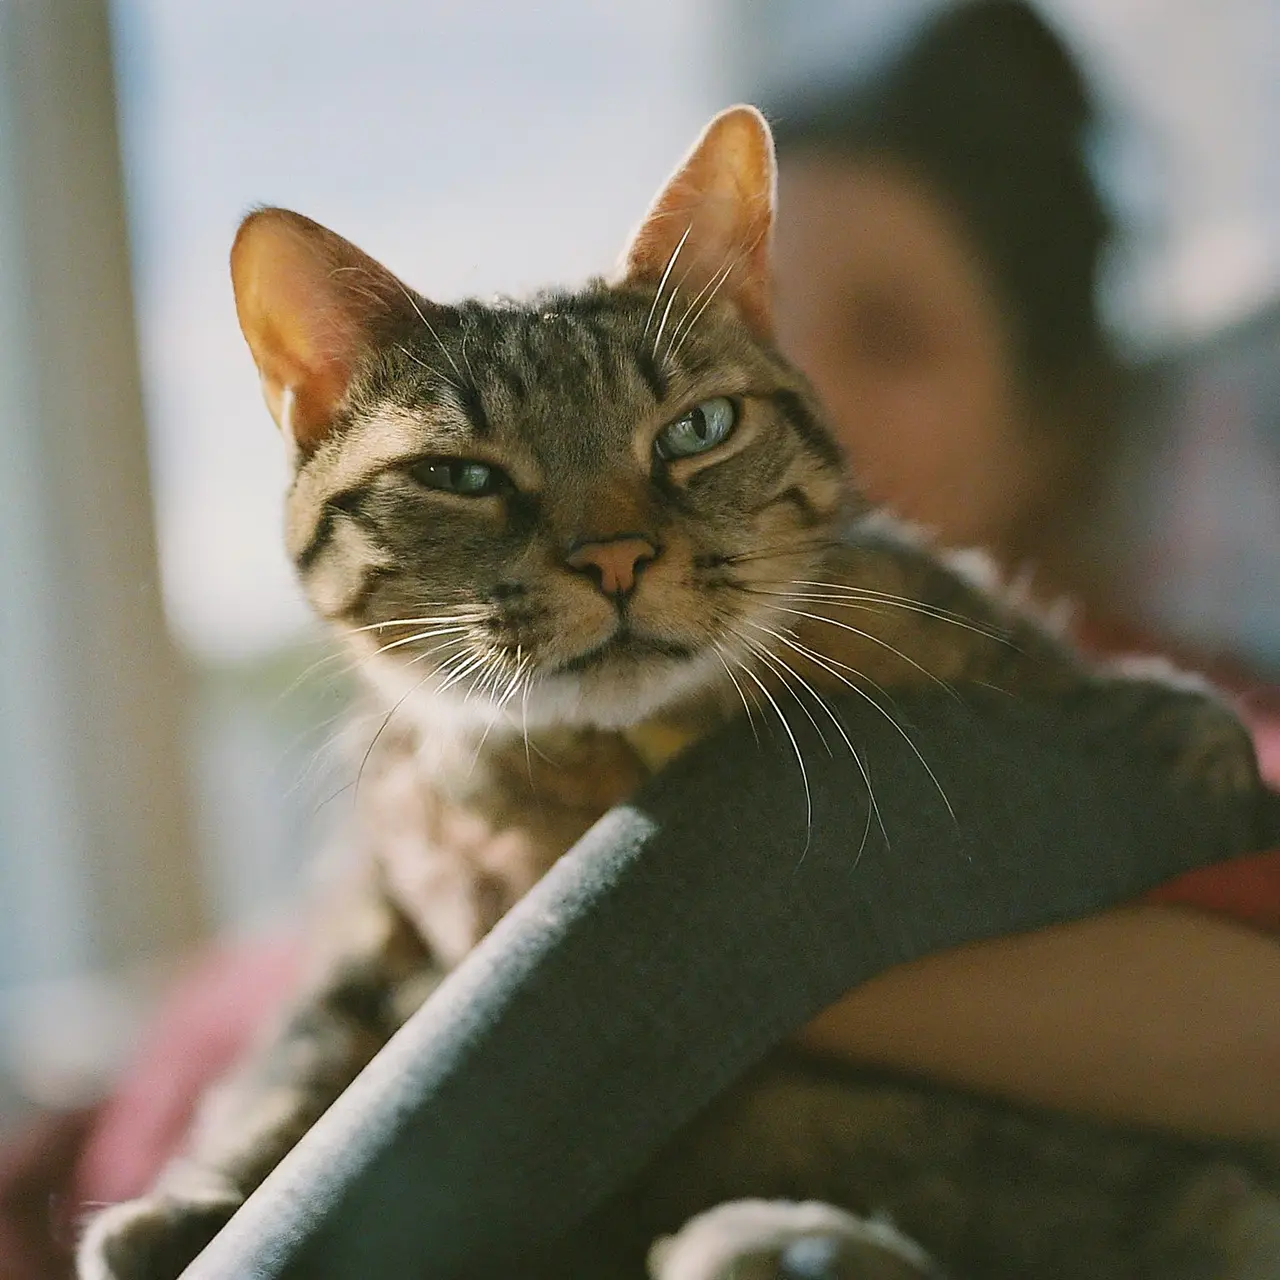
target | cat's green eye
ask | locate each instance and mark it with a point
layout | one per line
(702, 428)
(463, 476)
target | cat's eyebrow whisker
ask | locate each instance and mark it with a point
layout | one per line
(678, 338)
(470, 371)
(671, 301)
(673, 348)
(422, 364)
(657, 297)
(680, 324)
(447, 354)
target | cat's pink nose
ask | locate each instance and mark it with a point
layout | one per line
(615, 563)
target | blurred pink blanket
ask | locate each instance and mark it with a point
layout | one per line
(209, 1018)
(66, 1163)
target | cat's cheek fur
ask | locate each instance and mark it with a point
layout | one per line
(342, 573)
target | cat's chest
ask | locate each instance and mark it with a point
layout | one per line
(460, 830)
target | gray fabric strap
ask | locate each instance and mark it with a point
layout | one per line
(684, 936)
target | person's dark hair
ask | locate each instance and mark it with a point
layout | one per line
(985, 102)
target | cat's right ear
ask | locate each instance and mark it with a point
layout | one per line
(310, 306)
(711, 226)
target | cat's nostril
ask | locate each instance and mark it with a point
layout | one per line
(615, 562)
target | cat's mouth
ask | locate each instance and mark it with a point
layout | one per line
(625, 645)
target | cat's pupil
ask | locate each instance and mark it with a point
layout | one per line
(700, 424)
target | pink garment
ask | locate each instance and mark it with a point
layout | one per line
(204, 1026)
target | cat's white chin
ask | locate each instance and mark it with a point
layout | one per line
(609, 695)
(618, 696)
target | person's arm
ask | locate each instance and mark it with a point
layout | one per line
(1148, 1014)
(684, 936)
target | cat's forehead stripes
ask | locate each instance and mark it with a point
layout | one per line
(571, 378)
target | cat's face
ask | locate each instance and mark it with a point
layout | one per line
(577, 510)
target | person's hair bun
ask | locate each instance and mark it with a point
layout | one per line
(1008, 44)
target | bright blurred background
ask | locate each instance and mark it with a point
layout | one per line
(163, 750)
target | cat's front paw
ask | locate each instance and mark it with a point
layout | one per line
(154, 1238)
(780, 1240)
(1207, 747)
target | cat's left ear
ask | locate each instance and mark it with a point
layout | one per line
(711, 226)
(311, 306)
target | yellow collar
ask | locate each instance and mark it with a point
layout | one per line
(658, 741)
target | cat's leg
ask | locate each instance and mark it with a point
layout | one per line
(780, 1240)
(1207, 746)
(254, 1118)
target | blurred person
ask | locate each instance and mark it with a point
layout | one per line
(939, 250)
(938, 256)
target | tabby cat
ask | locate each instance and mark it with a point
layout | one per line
(565, 538)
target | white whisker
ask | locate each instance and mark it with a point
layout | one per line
(657, 297)
(435, 648)
(873, 806)
(876, 640)
(733, 680)
(839, 593)
(673, 349)
(441, 620)
(834, 667)
(382, 729)
(465, 669)
(786, 672)
(795, 746)
(418, 310)
(512, 686)
(413, 639)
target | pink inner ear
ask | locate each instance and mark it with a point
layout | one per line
(712, 222)
(306, 300)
